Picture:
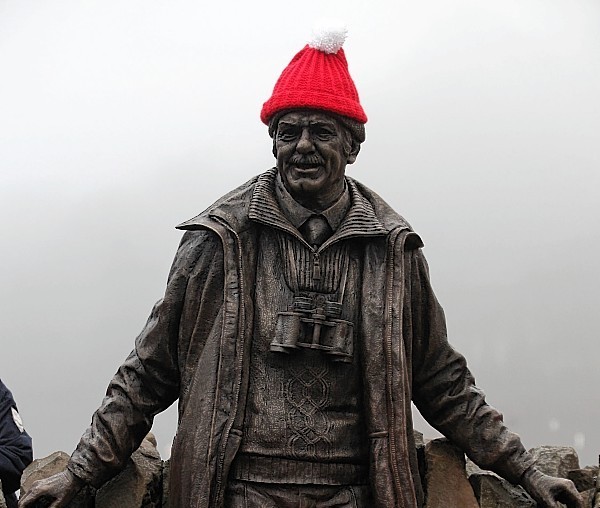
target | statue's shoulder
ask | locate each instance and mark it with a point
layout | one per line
(232, 208)
(391, 220)
(385, 213)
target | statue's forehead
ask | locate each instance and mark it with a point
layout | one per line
(307, 117)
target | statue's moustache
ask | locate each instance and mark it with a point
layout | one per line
(307, 160)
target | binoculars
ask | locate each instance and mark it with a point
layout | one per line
(314, 323)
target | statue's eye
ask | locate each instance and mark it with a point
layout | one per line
(323, 134)
(287, 134)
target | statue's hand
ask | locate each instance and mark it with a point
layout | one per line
(53, 492)
(549, 491)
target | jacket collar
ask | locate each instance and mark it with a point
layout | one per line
(360, 220)
(369, 215)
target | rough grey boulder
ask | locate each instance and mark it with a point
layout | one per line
(588, 497)
(48, 466)
(492, 491)
(2, 500)
(420, 449)
(166, 475)
(584, 479)
(445, 476)
(555, 460)
(43, 468)
(139, 485)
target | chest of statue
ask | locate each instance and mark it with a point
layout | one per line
(305, 392)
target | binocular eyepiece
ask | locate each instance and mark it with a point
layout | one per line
(315, 323)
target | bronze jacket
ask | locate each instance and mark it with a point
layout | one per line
(195, 348)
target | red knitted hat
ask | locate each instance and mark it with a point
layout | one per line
(317, 78)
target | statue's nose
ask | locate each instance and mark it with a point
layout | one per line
(305, 144)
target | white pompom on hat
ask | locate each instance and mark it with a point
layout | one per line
(328, 37)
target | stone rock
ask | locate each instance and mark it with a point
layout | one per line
(45, 467)
(555, 460)
(166, 475)
(446, 479)
(584, 479)
(494, 492)
(418, 437)
(473, 468)
(420, 449)
(139, 485)
(2, 500)
(588, 497)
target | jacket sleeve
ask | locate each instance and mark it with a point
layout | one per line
(444, 389)
(149, 380)
(15, 444)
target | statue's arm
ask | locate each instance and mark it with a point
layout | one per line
(445, 393)
(444, 389)
(145, 384)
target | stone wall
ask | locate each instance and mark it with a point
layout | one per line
(449, 480)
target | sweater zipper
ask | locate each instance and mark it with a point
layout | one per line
(316, 271)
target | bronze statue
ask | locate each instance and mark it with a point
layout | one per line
(297, 325)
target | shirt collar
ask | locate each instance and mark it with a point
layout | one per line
(298, 214)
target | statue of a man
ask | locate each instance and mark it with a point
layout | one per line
(298, 324)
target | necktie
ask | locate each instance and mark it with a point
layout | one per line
(315, 230)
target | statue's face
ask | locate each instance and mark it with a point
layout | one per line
(312, 150)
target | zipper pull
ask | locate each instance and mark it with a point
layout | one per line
(316, 266)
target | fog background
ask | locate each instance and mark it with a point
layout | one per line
(119, 120)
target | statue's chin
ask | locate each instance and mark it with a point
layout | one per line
(305, 189)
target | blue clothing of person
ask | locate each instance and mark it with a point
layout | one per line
(16, 451)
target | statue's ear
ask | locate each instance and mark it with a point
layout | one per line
(353, 152)
(274, 148)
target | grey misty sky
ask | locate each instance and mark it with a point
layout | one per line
(121, 119)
